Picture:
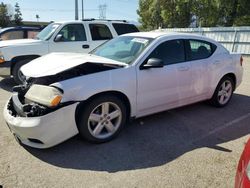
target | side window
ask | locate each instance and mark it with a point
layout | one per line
(122, 28)
(197, 49)
(170, 52)
(12, 35)
(100, 32)
(73, 32)
(32, 34)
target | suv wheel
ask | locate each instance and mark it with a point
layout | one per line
(101, 119)
(19, 78)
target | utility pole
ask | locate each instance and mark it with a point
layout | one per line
(102, 11)
(82, 10)
(37, 17)
(76, 9)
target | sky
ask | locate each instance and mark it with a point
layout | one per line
(58, 10)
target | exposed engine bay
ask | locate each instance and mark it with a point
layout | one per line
(36, 97)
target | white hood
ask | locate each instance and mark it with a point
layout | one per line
(18, 42)
(54, 63)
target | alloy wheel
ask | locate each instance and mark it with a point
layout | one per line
(225, 92)
(104, 120)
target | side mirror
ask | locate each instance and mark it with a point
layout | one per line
(58, 38)
(153, 63)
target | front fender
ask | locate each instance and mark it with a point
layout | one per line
(81, 88)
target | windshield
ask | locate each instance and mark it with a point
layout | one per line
(47, 32)
(124, 49)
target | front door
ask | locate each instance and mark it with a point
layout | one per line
(166, 87)
(72, 39)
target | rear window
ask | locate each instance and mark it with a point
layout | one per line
(122, 28)
(100, 32)
(198, 49)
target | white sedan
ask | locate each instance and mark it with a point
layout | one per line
(131, 76)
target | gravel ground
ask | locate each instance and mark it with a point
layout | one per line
(193, 146)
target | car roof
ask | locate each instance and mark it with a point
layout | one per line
(92, 20)
(158, 34)
(19, 28)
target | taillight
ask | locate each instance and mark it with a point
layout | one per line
(241, 60)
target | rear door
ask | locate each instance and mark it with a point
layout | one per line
(198, 53)
(99, 33)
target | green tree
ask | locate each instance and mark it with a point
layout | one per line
(4, 17)
(207, 12)
(234, 12)
(18, 15)
(150, 14)
(177, 13)
(162, 13)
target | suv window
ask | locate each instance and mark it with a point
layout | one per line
(32, 34)
(197, 49)
(73, 32)
(12, 35)
(122, 28)
(170, 52)
(100, 32)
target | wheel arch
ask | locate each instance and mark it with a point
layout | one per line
(20, 58)
(118, 94)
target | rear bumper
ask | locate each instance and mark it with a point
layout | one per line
(239, 76)
(43, 131)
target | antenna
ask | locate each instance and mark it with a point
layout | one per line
(102, 11)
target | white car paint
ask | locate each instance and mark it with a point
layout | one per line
(49, 64)
(148, 91)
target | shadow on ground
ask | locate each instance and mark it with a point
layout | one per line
(7, 83)
(157, 139)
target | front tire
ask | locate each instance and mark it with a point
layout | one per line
(101, 119)
(223, 92)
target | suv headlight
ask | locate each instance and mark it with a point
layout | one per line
(44, 95)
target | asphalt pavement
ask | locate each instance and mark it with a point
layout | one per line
(193, 146)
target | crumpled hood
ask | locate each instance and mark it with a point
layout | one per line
(54, 63)
(18, 42)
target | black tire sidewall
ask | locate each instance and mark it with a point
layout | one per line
(214, 101)
(16, 69)
(86, 108)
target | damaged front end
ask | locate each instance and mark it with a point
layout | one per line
(34, 101)
(36, 120)
(37, 97)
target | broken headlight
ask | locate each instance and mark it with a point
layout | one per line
(44, 95)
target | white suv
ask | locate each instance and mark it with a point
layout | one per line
(68, 36)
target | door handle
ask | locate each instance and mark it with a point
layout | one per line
(85, 46)
(183, 68)
(217, 62)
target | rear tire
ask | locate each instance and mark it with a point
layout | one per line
(223, 92)
(19, 78)
(101, 119)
